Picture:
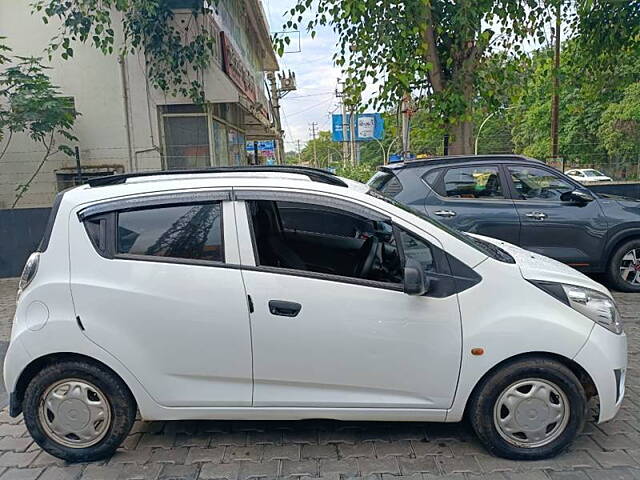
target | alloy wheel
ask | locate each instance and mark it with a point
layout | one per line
(531, 413)
(630, 267)
(75, 413)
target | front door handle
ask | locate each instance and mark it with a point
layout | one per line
(536, 215)
(284, 308)
(445, 213)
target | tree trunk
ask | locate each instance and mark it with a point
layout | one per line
(461, 138)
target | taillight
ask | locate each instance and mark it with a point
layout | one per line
(29, 272)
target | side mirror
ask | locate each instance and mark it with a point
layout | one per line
(577, 196)
(415, 281)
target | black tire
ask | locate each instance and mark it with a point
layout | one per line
(614, 279)
(488, 392)
(120, 401)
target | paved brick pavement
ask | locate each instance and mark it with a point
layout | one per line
(331, 450)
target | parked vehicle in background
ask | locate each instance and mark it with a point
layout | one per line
(290, 293)
(588, 175)
(525, 202)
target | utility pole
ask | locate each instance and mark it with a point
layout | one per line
(555, 101)
(313, 136)
(275, 102)
(345, 126)
(406, 146)
(299, 157)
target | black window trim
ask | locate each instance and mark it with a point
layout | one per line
(156, 200)
(439, 183)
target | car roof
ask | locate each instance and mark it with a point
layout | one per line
(171, 182)
(455, 159)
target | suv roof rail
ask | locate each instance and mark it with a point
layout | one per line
(314, 174)
(461, 158)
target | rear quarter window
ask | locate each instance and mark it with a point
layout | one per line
(386, 182)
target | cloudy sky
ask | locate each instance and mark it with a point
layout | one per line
(316, 78)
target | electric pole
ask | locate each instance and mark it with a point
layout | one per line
(555, 101)
(275, 103)
(406, 106)
(313, 136)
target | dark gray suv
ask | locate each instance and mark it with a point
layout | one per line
(527, 203)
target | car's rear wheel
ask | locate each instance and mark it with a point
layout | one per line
(78, 411)
(528, 410)
(623, 272)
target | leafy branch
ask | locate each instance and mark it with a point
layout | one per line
(172, 57)
(31, 104)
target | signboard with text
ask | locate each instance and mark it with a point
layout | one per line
(368, 126)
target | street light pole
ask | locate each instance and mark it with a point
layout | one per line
(475, 150)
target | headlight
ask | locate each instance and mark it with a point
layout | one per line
(29, 272)
(592, 304)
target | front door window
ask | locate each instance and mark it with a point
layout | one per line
(533, 183)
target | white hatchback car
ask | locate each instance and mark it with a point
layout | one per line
(290, 293)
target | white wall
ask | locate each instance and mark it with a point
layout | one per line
(94, 80)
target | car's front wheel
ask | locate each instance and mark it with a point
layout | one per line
(78, 411)
(623, 271)
(529, 409)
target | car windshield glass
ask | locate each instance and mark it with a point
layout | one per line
(480, 245)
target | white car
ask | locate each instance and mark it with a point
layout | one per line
(587, 175)
(289, 293)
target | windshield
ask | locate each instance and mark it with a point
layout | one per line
(487, 248)
(593, 173)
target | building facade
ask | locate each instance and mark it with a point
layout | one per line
(124, 124)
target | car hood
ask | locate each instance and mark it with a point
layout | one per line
(534, 266)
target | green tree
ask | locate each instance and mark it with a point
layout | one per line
(441, 48)
(620, 126)
(31, 104)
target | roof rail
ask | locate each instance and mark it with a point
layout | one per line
(314, 174)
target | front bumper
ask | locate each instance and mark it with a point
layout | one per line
(604, 357)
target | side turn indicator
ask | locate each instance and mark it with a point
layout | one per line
(477, 351)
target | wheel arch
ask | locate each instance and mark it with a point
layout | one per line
(583, 376)
(36, 365)
(617, 240)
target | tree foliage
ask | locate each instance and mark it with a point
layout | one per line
(620, 126)
(31, 104)
(453, 55)
(175, 63)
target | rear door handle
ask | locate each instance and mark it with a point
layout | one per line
(536, 215)
(445, 213)
(284, 308)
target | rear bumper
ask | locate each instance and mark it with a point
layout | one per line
(604, 357)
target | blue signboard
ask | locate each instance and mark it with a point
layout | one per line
(367, 125)
(263, 146)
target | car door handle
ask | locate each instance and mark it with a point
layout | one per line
(536, 215)
(445, 213)
(284, 308)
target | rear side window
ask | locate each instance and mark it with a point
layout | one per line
(192, 231)
(387, 183)
(473, 182)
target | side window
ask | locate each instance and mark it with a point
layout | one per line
(181, 231)
(386, 182)
(417, 249)
(473, 182)
(537, 183)
(313, 238)
(310, 218)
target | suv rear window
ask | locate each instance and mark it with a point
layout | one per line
(386, 182)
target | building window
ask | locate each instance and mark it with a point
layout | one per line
(186, 137)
